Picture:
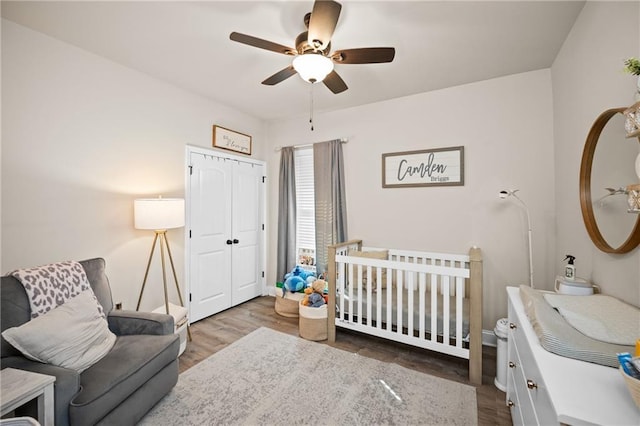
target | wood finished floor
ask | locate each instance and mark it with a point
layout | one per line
(216, 332)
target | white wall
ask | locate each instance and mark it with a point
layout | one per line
(82, 137)
(587, 80)
(504, 124)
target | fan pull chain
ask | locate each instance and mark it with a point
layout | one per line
(311, 105)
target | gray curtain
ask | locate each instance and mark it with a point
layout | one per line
(286, 214)
(331, 205)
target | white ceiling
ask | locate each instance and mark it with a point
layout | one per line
(438, 44)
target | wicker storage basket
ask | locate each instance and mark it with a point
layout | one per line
(288, 306)
(633, 385)
(313, 323)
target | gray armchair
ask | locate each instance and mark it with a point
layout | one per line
(119, 389)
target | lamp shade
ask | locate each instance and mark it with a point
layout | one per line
(158, 213)
(312, 67)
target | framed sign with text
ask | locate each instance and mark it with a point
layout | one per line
(233, 141)
(429, 167)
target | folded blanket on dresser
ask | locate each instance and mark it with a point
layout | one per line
(49, 286)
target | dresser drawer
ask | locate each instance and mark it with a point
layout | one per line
(510, 355)
(530, 379)
(516, 374)
(514, 402)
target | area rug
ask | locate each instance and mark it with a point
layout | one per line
(272, 378)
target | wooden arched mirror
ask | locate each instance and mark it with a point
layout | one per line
(607, 167)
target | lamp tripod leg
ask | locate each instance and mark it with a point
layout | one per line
(146, 273)
(175, 277)
(163, 242)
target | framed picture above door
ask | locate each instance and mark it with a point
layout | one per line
(233, 141)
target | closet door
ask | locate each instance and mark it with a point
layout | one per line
(210, 226)
(247, 230)
(225, 201)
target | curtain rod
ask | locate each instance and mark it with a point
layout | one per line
(307, 145)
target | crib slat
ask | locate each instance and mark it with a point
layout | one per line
(399, 302)
(378, 297)
(434, 307)
(359, 300)
(351, 291)
(389, 321)
(410, 295)
(341, 267)
(459, 310)
(369, 285)
(422, 289)
(446, 313)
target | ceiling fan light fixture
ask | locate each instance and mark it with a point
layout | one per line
(312, 67)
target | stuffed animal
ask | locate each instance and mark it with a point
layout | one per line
(314, 295)
(293, 284)
(295, 271)
(296, 280)
(316, 300)
(307, 292)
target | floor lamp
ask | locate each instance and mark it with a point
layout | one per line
(512, 193)
(160, 214)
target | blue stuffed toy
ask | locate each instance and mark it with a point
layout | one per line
(296, 280)
(294, 284)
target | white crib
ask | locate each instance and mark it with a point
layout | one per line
(428, 300)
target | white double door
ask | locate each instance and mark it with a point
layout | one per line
(226, 232)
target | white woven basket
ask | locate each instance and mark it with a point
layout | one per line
(313, 323)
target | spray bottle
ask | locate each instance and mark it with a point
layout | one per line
(570, 269)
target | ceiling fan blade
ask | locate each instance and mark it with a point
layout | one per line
(323, 21)
(280, 76)
(262, 44)
(366, 55)
(335, 83)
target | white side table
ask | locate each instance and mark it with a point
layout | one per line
(180, 321)
(19, 387)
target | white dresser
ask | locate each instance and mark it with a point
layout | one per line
(544, 388)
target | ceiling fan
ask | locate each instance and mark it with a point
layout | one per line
(313, 59)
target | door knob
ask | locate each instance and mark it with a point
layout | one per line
(512, 326)
(235, 241)
(229, 242)
(512, 364)
(510, 403)
(531, 384)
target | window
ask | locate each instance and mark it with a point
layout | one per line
(305, 211)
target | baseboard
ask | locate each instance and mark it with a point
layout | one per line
(489, 338)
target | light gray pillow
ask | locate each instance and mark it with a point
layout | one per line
(73, 335)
